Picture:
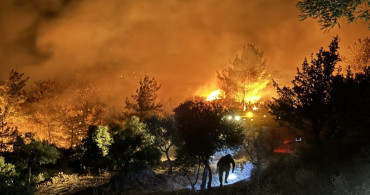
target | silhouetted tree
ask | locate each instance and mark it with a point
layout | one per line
(203, 130)
(163, 131)
(144, 101)
(305, 106)
(330, 11)
(350, 105)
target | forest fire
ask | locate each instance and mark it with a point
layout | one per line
(174, 96)
(252, 92)
(214, 95)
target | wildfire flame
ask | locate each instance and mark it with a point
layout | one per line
(214, 95)
(252, 99)
(252, 92)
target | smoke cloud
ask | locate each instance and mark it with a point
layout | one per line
(114, 43)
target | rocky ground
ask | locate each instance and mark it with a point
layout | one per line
(145, 181)
(68, 184)
(135, 182)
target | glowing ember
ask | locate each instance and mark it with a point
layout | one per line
(214, 95)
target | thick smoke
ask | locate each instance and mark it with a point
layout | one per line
(113, 43)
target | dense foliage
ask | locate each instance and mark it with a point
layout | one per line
(29, 154)
(202, 129)
(163, 132)
(322, 104)
(133, 145)
(329, 12)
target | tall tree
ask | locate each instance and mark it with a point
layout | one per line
(95, 148)
(245, 77)
(306, 105)
(329, 12)
(144, 101)
(83, 108)
(12, 98)
(203, 130)
(163, 131)
(42, 104)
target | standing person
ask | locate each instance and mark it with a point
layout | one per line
(223, 165)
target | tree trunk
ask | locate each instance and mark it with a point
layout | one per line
(169, 161)
(316, 128)
(258, 177)
(49, 133)
(209, 177)
(141, 115)
(29, 175)
(243, 101)
(191, 183)
(196, 179)
(72, 136)
(204, 179)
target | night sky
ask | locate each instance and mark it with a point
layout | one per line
(114, 43)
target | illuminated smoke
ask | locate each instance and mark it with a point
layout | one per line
(181, 43)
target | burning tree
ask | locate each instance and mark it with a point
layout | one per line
(247, 75)
(45, 111)
(12, 98)
(78, 115)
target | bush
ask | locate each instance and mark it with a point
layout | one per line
(10, 182)
(333, 168)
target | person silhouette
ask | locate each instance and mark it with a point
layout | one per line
(223, 165)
